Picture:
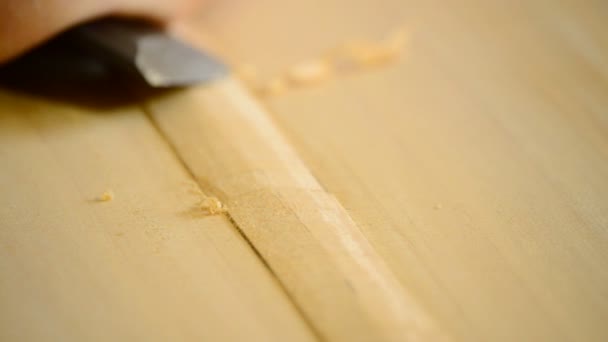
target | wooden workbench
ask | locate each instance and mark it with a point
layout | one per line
(459, 193)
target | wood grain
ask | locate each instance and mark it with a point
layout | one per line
(303, 233)
(459, 193)
(476, 167)
(147, 265)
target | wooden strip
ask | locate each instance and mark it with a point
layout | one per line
(144, 265)
(236, 153)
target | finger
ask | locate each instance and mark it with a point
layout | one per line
(27, 23)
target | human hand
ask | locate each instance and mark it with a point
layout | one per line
(26, 23)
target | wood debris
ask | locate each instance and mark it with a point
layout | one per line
(309, 72)
(358, 54)
(366, 55)
(212, 206)
(107, 196)
(348, 57)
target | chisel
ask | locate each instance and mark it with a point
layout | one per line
(120, 48)
(158, 58)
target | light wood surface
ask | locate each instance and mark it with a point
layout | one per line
(308, 240)
(460, 193)
(145, 266)
(477, 166)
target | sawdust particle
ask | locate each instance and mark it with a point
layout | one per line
(107, 196)
(212, 206)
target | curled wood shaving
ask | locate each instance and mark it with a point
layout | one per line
(213, 206)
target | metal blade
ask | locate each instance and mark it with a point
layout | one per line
(160, 60)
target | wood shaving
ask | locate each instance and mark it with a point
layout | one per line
(310, 72)
(372, 55)
(107, 196)
(369, 54)
(348, 57)
(213, 206)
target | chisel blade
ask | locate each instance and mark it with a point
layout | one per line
(158, 58)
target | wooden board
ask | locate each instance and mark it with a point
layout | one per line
(459, 193)
(147, 265)
(476, 167)
(307, 238)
